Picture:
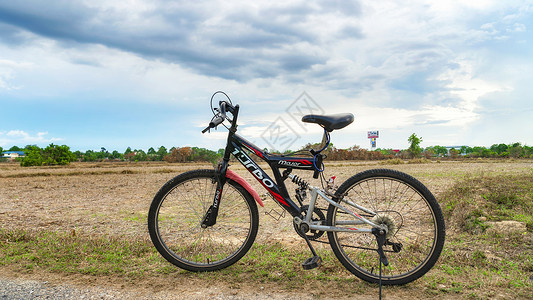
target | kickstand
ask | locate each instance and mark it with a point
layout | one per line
(380, 239)
(380, 263)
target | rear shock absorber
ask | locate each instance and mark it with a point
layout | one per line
(299, 181)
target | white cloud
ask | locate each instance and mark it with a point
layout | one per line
(7, 70)
(468, 88)
(22, 138)
(425, 65)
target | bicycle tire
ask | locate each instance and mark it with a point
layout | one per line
(176, 214)
(411, 212)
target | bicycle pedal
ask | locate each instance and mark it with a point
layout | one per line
(312, 262)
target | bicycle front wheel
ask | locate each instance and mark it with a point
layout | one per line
(177, 212)
(415, 236)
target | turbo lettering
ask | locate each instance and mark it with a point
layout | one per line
(252, 167)
(217, 196)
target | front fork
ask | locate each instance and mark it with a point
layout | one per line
(210, 217)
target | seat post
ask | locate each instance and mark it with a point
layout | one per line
(325, 140)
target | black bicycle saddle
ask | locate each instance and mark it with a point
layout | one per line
(330, 122)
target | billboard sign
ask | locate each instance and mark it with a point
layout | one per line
(373, 134)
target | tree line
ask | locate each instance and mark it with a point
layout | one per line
(62, 155)
(514, 150)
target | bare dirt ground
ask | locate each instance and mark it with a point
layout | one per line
(113, 199)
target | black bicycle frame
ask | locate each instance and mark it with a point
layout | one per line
(276, 188)
(237, 146)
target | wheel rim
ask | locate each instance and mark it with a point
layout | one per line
(415, 228)
(179, 219)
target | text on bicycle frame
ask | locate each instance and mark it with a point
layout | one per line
(252, 167)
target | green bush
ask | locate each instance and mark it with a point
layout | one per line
(51, 155)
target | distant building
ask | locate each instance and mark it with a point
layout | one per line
(12, 155)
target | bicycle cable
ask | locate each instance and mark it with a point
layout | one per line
(328, 140)
(298, 152)
(213, 96)
(213, 110)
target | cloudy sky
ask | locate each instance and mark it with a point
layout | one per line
(114, 74)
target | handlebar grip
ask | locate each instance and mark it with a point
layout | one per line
(216, 121)
(222, 106)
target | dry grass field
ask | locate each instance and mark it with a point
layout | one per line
(86, 223)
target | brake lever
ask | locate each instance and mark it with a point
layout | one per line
(219, 117)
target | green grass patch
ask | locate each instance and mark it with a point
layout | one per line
(65, 253)
(468, 263)
(479, 259)
(475, 200)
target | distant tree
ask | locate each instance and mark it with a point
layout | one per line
(185, 154)
(202, 154)
(117, 155)
(528, 151)
(429, 152)
(454, 153)
(51, 155)
(151, 154)
(78, 154)
(101, 155)
(465, 150)
(90, 155)
(516, 150)
(129, 156)
(440, 150)
(504, 154)
(499, 148)
(479, 151)
(2, 154)
(161, 152)
(140, 155)
(179, 155)
(33, 157)
(15, 148)
(58, 155)
(414, 145)
(128, 151)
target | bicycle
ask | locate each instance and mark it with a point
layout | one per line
(206, 220)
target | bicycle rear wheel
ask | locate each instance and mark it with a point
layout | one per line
(412, 215)
(177, 212)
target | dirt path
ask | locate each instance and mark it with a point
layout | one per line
(52, 286)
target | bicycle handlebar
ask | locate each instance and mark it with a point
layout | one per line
(216, 121)
(223, 105)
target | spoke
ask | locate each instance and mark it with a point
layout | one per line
(180, 230)
(403, 191)
(190, 207)
(425, 208)
(403, 203)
